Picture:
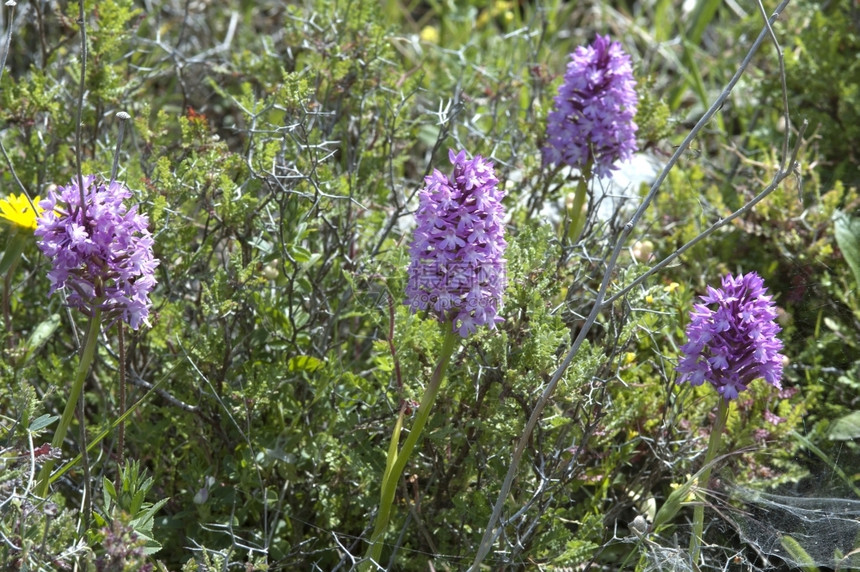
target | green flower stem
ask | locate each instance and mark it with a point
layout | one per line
(14, 247)
(713, 446)
(121, 432)
(577, 220)
(396, 461)
(87, 355)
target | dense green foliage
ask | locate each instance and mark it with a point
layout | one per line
(277, 150)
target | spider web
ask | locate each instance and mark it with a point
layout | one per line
(801, 531)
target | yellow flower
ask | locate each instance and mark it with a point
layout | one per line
(18, 210)
(430, 34)
(671, 287)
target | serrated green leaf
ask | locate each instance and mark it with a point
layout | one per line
(152, 546)
(143, 522)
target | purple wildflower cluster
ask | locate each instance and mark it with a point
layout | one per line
(732, 338)
(102, 253)
(457, 270)
(124, 548)
(594, 109)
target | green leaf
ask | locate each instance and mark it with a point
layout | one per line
(673, 503)
(663, 20)
(109, 492)
(41, 422)
(798, 554)
(41, 334)
(847, 230)
(845, 428)
(701, 18)
(143, 521)
(304, 363)
(300, 253)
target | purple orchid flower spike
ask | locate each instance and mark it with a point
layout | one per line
(457, 272)
(732, 338)
(592, 123)
(101, 255)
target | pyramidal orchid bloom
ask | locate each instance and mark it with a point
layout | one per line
(101, 255)
(457, 269)
(591, 127)
(732, 338)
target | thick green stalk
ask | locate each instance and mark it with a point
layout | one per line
(87, 354)
(15, 245)
(14, 248)
(699, 511)
(577, 217)
(396, 461)
(121, 432)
